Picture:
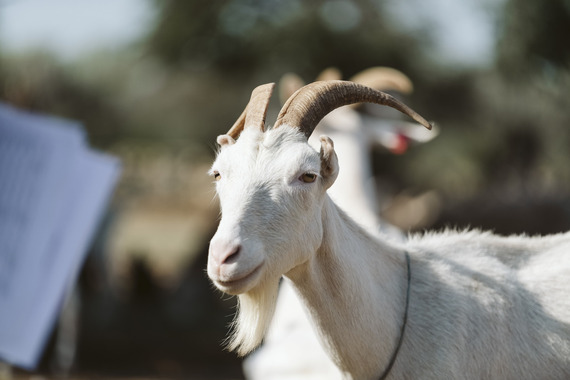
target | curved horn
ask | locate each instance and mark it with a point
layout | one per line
(306, 107)
(254, 113)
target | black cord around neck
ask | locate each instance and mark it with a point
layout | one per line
(403, 329)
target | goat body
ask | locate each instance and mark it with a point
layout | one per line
(480, 306)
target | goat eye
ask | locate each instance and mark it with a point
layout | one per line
(217, 176)
(308, 177)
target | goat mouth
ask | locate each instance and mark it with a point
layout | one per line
(240, 284)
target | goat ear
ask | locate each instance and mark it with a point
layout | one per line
(329, 161)
(224, 140)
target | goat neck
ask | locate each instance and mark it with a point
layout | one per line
(354, 289)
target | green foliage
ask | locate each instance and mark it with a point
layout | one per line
(246, 37)
(37, 82)
(190, 77)
(534, 38)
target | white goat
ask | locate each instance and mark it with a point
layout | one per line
(291, 349)
(453, 305)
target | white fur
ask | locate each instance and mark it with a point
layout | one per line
(481, 306)
(291, 349)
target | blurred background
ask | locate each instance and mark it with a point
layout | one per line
(155, 81)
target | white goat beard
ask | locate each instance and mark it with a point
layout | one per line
(255, 310)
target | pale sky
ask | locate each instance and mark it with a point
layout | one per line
(71, 27)
(463, 29)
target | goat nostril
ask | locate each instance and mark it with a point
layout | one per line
(233, 255)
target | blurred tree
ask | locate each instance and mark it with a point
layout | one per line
(533, 38)
(246, 37)
(215, 52)
(37, 82)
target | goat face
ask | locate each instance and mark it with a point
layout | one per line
(271, 188)
(272, 184)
